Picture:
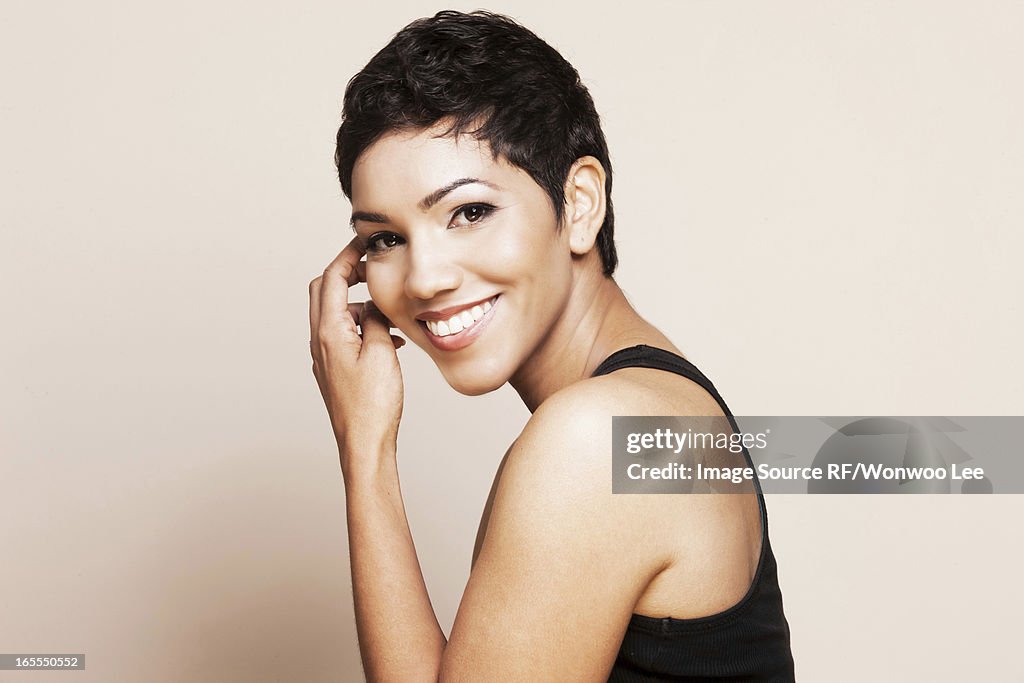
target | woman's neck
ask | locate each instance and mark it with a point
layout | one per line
(598, 321)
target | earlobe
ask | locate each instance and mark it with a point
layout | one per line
(585, 199)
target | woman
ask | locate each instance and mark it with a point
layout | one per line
(481, 193)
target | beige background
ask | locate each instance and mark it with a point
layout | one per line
(818, 201)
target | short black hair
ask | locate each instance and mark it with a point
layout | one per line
(487, 71)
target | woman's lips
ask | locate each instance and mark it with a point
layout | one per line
(460, 340)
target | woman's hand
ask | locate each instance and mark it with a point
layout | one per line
(358, 374)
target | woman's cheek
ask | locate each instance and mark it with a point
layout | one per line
(384, 287)
(503, 251)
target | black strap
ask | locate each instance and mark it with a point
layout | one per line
(645, 356)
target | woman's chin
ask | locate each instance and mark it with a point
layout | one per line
(473, 380)
(470, 376)
(474, 387)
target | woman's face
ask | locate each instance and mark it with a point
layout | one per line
(463, 255)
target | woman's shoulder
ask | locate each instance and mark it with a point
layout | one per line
(568, 448)
(576, 421)
(561, 466)
(627, 391)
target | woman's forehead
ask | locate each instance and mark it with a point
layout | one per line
(404, 166)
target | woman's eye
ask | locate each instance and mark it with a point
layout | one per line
(474, 213)
(382, 241)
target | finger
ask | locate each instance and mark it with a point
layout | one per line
(356, 309)
(338, 277)
(397, 341)
(374, 326)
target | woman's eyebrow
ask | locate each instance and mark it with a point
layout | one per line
(425, 204)
(437, 195)
(367, 216)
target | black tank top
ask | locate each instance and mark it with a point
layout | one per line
(747, 642)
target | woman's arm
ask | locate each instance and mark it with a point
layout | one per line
(561, 565)
(399, 637)
(563, 561)
(361, 384)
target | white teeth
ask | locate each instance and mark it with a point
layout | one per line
(458, 322)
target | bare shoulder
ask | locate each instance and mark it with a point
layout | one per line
(570, 432)
(590, 403)
(558, 473)
(699, 553)
(562, 460)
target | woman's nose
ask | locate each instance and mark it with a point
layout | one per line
(431, 271)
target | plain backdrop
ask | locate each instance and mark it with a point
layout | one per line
(819, 202)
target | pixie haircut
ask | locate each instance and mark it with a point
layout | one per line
(490, 77)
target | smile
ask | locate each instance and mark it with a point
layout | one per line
(461, 328)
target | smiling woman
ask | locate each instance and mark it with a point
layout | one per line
(480, 185)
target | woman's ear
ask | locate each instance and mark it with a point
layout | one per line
(584, 203)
